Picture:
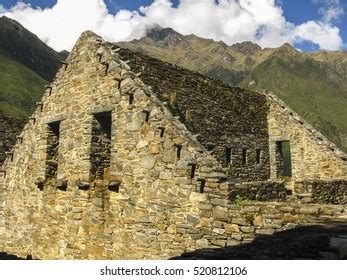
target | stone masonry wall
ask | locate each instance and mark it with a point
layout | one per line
(9, 129)
(146, 194)
(258, 191)
(100, 156)
(160, 195)
(313, 157)
(332, 191)
(225, 119)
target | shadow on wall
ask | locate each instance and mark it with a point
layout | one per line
(328, 241)
(304, 242)
(5, 256)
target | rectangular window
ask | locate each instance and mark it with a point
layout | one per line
(100, 155)
(228, 155)
(244, 156)
(258, 155)
(283, 159)
(53, 135)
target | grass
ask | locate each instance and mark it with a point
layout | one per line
(20, 88)
(306, 86)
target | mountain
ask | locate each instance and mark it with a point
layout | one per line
(20, 88)
(26, 65)
(28, 49)
(312, 84)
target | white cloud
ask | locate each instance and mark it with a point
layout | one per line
(326, 36)
(260, 21)
(2, 9)
(331, 10)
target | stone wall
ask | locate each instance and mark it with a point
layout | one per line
(313, 157)
(9, 129)
(333, 191)
(222, 223)
(259, 191)
(52, 206)
(225, 119)
(139, 186)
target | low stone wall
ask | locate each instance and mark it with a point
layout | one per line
(227, 224)
(260, 191)
(331, 192)
(9, 129)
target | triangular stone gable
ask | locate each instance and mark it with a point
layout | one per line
(154, 172)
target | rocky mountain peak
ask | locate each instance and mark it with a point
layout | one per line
(246, 48)
(166, 36)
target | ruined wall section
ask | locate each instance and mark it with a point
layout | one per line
(226, 120)
(10, 128)
(145, 205)
(313, 157)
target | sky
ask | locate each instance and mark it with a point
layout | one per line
(308, 25)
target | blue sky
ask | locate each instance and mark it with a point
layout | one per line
(298, 12)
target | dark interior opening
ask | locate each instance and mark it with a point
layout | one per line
(228, 153)
(100, 156)
(244, 156)
(283, 159)
(53, 134)
(258, 156)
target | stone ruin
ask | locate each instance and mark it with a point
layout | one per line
(129, 157)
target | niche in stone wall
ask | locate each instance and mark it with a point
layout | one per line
(228, 155)
(283, 159)
(53, 135)
(100, 155)
(258, 156)
(244, 156)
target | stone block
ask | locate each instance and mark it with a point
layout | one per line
(220, 213)
(218, 224)
(232, 228)
(289, 218)
(147, 162)
(153, 149)
(141, 144)
(202, 243)
(240, 221)
(232, 242)
(219, 231)
(193, 218)
(258, 221)
(218, 242)
(237, 236)
(220, 202)
(247, 229)
(309, 210)
(165, 175)
(197, 197)
(265, 231)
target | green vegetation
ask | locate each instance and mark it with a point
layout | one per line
(240, 201)
(26, 64)
(308, 87)
(20, 87)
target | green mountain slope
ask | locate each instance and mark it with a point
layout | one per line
(309, 87)
(20, 87)
(28, 49)
(26, 64)
(313, 84)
